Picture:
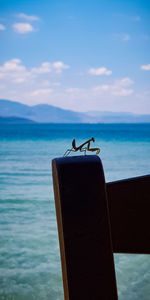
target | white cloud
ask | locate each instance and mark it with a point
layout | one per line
(145, 67)
(99, 71)
(73, 91)
(27, 17)
(38, 84)
(2, 27)
(59, 66)
(101, 88)
(48, 67)
(126, 81)
(41, 92)
(118, 88)
(121, 91)
(14, 71)
(23, 27)
(44, 68)
(12, 65)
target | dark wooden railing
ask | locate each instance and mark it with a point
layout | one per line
(129, 211)
(94, 220)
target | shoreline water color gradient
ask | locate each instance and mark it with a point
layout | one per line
(29, 249)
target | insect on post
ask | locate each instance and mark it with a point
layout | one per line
(82, 148)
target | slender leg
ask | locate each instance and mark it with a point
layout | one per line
(93, 149)
(83, 150)
(68, 152)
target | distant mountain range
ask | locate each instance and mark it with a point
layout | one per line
(15, 120)
(15, 112)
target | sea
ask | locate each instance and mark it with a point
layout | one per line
(30, 265)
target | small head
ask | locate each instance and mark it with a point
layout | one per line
(92, 139)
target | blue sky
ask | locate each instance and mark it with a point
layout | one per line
(79, 55)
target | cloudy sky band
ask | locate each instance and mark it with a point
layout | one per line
(15, 73)
(77, 58)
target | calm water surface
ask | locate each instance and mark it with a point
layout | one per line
(29, 250)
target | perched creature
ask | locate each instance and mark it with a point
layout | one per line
(82, 148)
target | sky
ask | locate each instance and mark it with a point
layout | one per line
(80, 55)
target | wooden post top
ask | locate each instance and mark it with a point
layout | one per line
(83, 227)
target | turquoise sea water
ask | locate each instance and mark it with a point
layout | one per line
(29, 250)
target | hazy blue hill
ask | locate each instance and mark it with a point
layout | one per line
(47, 113)
(44, 113)
(117, 117)
(10, 108)
(15, 120)
(39, 113)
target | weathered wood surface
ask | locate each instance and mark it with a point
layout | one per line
(83, 226)
(129, 211)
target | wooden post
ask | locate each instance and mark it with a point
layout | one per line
(83, 227)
